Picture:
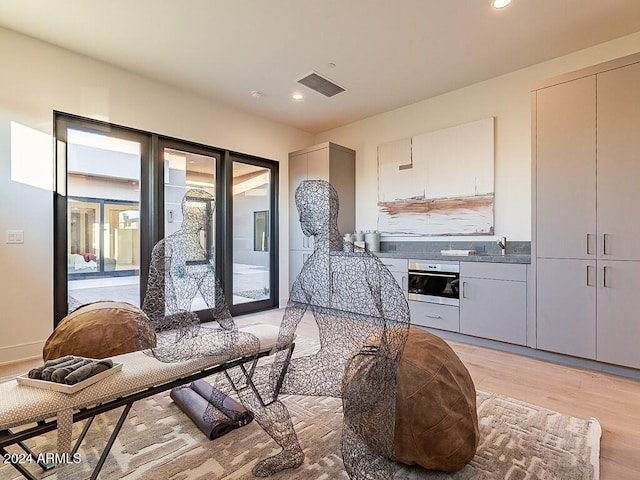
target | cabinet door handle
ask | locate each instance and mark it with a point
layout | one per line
(605, 277)
(588, 283)
(404, 281)
(605, 250)
(588, 249)
(429, 315)
(464, 289)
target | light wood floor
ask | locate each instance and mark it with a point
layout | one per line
(614, 401)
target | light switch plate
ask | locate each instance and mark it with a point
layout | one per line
(15, 236)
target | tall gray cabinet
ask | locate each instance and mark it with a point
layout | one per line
(586, 224)
(326, 161)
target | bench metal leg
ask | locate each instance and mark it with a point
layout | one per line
(25, 473)
(112, 439)
(83, 434)
(44, 466)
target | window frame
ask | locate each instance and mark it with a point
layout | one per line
(152, 207)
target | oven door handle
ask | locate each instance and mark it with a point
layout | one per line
(434, 274)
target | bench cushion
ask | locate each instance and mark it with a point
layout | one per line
(21, 404)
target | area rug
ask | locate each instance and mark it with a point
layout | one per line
(518, 441)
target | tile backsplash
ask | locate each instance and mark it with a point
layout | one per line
(483, 247)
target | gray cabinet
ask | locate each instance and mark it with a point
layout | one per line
(399, 269)
(586, 133)
(566, 306)
(618, 329)
(618, 190)
(435, 315)
(493, 301)
(618, 179)
(566, 169)
(565, 233)
(326, 161)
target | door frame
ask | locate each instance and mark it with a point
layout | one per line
(62, 122)
(152, 208)
(274, 267)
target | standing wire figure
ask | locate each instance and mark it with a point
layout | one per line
(361, 313)
(180, 269)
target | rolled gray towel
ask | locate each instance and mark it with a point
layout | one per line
(47, 372)
(60, 373)
(37, 372)
(88, 370)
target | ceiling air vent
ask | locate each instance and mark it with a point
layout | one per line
(320, 84)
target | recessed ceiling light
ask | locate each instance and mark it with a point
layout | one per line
(501, 3)
(297, 96)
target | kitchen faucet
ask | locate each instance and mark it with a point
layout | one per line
(502, 243)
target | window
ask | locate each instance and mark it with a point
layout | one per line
(115, 199)
(261, 231)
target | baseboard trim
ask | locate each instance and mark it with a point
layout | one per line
(19, 353)
(551, 357)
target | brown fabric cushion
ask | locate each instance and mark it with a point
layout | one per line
(101, 330)
(436, 419)
(435, 424)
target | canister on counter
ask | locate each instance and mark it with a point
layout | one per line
(372, 240)
(347, 242)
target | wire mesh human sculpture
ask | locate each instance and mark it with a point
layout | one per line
(362, 314)
(180, 269)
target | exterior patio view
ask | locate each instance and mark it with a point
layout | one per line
(103, 218)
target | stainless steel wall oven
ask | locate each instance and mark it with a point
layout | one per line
(434, 282)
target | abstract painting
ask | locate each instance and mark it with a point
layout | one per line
(438, 183)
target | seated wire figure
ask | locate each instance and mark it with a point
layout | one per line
(361, 312)
(180, 269)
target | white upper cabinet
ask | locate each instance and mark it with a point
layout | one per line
(566, 169)
(618, 174)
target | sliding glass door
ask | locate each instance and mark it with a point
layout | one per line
(119, 191)
(98, 208)
(187, 168)
(254, 266)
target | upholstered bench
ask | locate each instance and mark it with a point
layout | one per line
(141, 376)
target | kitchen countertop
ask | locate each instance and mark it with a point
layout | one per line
(436, 256)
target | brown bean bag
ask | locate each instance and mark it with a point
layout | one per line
(435, 424)
(101, 330)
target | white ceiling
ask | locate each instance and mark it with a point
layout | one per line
(387, 53)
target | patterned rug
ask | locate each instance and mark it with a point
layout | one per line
(518, 441)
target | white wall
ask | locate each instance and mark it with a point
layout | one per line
(508, 99)
(38, 78)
